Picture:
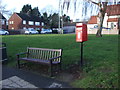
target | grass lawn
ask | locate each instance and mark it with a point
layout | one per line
(100, 55)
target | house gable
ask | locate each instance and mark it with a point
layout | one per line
(3, 21)
(14, 22)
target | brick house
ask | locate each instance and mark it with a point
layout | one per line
(3, 22)
(111, 18)
(113, 13)
(24, 21)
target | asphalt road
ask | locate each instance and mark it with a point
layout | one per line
(33, 78)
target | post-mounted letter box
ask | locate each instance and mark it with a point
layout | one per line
(81, 32)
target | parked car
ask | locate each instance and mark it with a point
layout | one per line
(3, 32)
(45, 31)
(96, 27)
(30, 31)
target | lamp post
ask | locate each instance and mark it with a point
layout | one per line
(60, 24)
(59, 14)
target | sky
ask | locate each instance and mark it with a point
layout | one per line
(16, 6)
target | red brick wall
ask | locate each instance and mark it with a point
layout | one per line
(17, 22)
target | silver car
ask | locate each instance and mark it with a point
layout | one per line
(3, 32)
(31, 31)
(45, 31)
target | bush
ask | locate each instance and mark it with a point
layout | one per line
(14, 32)
(55, 31)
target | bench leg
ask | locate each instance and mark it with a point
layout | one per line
(51, 71)
(18, 63)
(60, 66)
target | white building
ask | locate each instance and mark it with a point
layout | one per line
(111, 20)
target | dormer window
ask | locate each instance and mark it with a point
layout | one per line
(24, 22)
(31, 23)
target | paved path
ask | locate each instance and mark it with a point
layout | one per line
(15, 78)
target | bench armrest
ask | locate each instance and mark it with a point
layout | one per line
(55, 58)
(22, 53)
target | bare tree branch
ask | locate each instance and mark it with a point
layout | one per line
(93, 2)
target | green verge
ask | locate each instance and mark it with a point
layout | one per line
(100, 55)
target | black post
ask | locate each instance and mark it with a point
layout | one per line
(81, 61)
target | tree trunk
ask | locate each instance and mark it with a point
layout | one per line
(119, 26)
(100, 24)
(101, 18)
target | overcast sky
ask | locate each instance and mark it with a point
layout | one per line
(16, 6)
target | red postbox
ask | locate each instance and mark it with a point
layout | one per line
(81, 32)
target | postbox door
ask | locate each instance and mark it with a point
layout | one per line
(79, 34)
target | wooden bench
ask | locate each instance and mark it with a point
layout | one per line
(48, 57)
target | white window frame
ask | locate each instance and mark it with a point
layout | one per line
(11, 22)
(37, 23)
(24, 22)
(31, 23)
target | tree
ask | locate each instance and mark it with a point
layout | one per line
(66, 18)
(28, 10)
(3, 9)
(102, 10)
(54, 20)
(35, 11)
(45, 19)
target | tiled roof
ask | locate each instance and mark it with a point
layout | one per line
(112, 20)
(113, 10)
(29, 17)
(93, 20)
(2, 16)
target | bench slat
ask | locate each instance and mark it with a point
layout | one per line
(43, 54)
(45, 49)
(38, 60)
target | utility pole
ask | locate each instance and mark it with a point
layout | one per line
(59, 14)
(60, 25)
(62, 19)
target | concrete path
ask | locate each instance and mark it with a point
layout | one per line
(16, 78)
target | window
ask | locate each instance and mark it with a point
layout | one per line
(24, 28)
(12, 28)
(11, 22)
(37, 23)
(31, 23)
(42, 24)
(24, 22)
(3, 22)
